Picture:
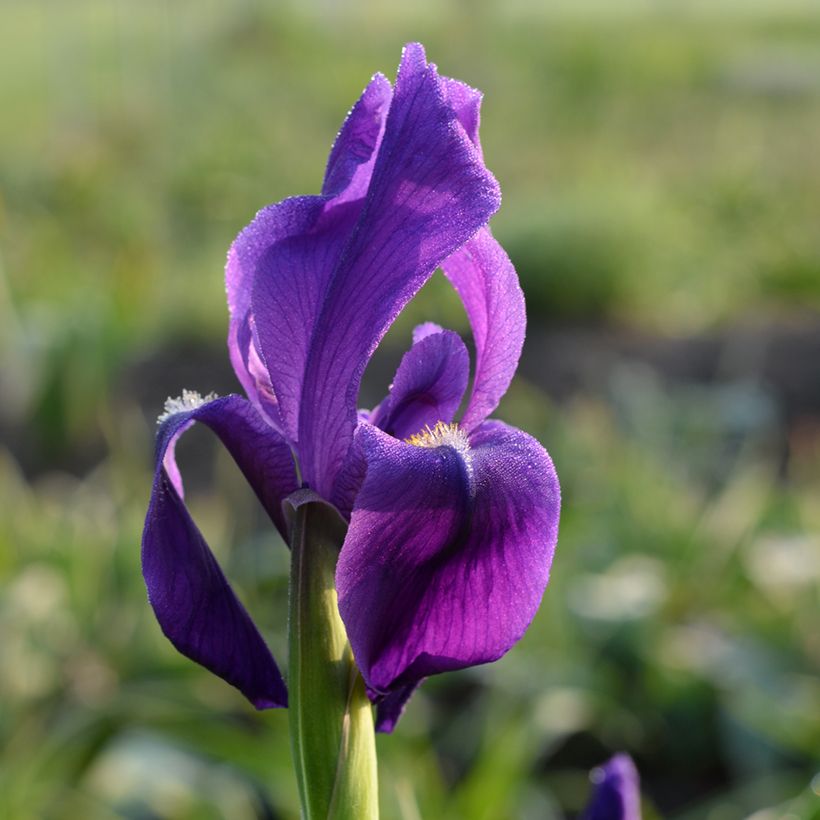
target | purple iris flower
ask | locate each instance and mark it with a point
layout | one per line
(616, 795)
(452, 526)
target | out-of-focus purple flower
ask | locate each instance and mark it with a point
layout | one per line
(616, 794)
(452, 526)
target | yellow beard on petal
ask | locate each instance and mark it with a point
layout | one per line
(442, 435)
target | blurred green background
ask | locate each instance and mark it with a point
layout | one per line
(661, 202)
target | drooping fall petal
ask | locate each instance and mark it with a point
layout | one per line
(448, 552)
(193, 601)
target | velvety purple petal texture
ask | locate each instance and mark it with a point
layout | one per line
(466, 104)
(448, 552)
(351, 160)
(616, 795)
(429, 193)
(329, 274)
(428, 385)
(292, 276)
(194, 604)
(485, 279)
(488, 285)
(251, 370)
(279, 266)
(451, 535)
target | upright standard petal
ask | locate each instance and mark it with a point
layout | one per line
(429, 193)
(280, 265)
(351, 160)
(428, 385)
(484, 277)
(289, 287)
(448, 551)
(193, 602)
(487, 283)
(617, 792)
(466, 104)
(250, 369)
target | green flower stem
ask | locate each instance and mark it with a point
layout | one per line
(331, 719)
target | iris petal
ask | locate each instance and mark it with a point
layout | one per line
(324, 277)
(617, 792)
(351, 160)
(466, 104)
(193, 602)
(428, 385)
(279, 266)
(390, 708)
(487, 283)
(447, 555)
(251, 371)
(301, 240)
(429, 193)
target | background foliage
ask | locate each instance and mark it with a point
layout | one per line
(662, 197)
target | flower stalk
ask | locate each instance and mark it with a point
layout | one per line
(331, 719)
